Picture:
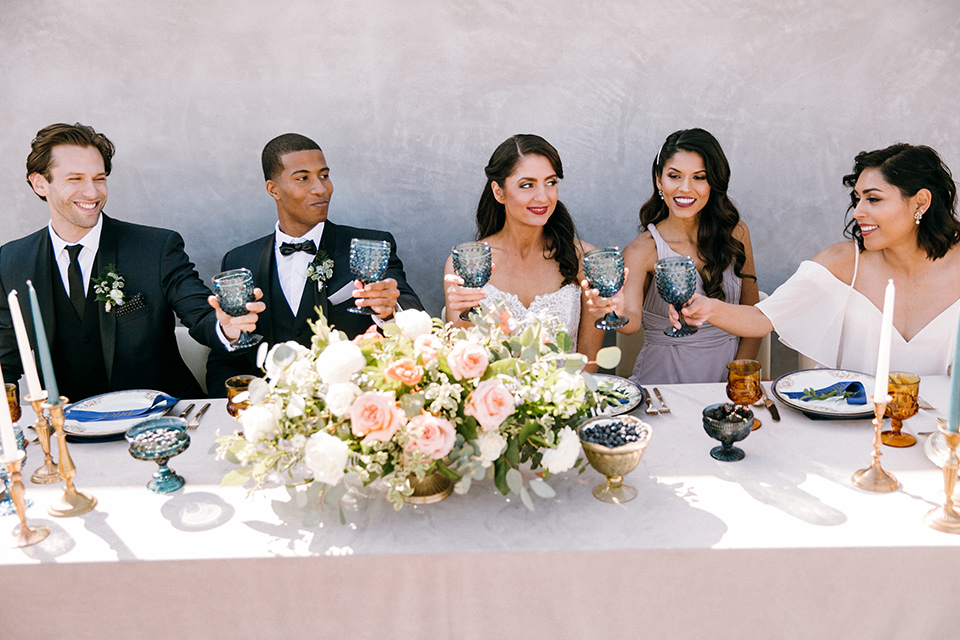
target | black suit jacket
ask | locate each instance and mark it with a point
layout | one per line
(259, 257)
(139, 348)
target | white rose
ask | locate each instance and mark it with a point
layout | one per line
(491, 444)
(259, 422)
(295, 406)
(340, 397)
(413, 323)
(567, 382)
(565, 455)
(339, 361)
(326, 456)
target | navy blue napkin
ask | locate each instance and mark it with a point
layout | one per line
(859, 396)
(162, 401)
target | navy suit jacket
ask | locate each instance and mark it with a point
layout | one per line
(259, 257)
(139, 348)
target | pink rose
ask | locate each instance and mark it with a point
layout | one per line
(427, 346)
(374, 415)
(467, 360)
(490, 403)
(437, 438)
(405, 371)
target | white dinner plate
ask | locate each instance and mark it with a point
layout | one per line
(936, 448)
(131, 400)
(633, 392)
(818, 379)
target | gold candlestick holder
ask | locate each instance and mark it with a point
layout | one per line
(48, 473)
(874, 478)
(945, 518)
(72, 502)
(23, 535)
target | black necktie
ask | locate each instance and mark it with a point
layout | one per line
(75, 279)
(292, 247)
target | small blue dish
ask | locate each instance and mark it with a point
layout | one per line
(159, 439)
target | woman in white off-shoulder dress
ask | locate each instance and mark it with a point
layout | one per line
(536, 253)
(905, 228)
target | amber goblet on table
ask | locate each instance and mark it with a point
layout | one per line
(904, 389)
(238, 394)
(13, 400)
(743, 384)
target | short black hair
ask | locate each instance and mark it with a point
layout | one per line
(279, 147)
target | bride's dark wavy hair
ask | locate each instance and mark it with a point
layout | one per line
(910, 168)
(716, 245)
(559, 232)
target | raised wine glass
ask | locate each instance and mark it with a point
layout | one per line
(743, 384)
(234, 289)
(472, 262)
(676, 282)
(604, 270)
(904, 389)
(368, 263)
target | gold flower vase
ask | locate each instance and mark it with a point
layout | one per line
(433, 488)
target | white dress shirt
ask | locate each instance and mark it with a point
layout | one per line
(90, 244)
(292, 269)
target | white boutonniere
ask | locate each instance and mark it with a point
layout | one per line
(320, 269)
(109, 288)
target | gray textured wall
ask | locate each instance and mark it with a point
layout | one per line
(408, 103)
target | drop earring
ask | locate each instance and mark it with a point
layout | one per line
(660, 191)
(917, 216)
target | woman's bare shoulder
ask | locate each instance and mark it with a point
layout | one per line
(642, 251)
(839, 259)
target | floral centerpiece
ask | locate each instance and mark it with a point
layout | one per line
(421, 398)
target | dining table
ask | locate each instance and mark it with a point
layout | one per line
(780, 544)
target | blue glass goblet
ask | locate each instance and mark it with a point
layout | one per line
(677, 282)
(234, 290)
(604, 270)
(6, 503)
(159, 439)
(472, 262)
(368, 263)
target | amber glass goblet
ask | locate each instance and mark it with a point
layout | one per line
(904, 388)
(238, 394)
(743, 384)
(13, 400)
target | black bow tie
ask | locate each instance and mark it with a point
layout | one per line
(292, 247)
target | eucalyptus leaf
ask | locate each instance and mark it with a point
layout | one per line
(463, 486)
(258, 390)
(608, 357)
(514, 480)
(542, 489)
(283, 355)
(235, 478)
(590, 381)
(500, 467)
(391, 329)
(563, 341)
(528, 337)
(530, 354)
(525, 498)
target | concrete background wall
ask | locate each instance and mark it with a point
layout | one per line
(409, 99)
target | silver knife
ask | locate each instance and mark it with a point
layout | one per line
(768, 403)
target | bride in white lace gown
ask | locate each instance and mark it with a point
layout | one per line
(536, 253)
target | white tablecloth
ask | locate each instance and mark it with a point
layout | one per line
(779, 545)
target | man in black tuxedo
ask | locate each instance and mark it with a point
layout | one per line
(98, 347)
(298, 179)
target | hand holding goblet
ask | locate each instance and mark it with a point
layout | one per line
(234, 290)
(472, 261)
(676, 282)
(604, 271)
(368, 263)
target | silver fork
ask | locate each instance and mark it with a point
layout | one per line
(186, 412)
(663, 408)
(195, 421)
(649, 410)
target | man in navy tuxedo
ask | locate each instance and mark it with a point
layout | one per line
(305, 263)
(99, 347)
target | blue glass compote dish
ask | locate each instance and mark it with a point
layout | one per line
(727, 423)
(676, 282)
(159, 439)
(472, 262)
(6, 503)
(234, 289)
(368, 263)
(604, 270)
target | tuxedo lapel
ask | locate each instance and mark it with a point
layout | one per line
(107, 255)
(264, 280)
(44, 280)
(328, 244)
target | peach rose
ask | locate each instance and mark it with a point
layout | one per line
(467, 360)
(374, 415)
(427, 346)
(437, 438)
(490, 403)
(371, 334)
(405, 371)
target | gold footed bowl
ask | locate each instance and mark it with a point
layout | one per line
(433, 488)
(618, 460)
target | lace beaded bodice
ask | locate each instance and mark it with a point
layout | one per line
(560, 308)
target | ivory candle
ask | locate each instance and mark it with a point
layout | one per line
(882, 379)
(23, 344)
